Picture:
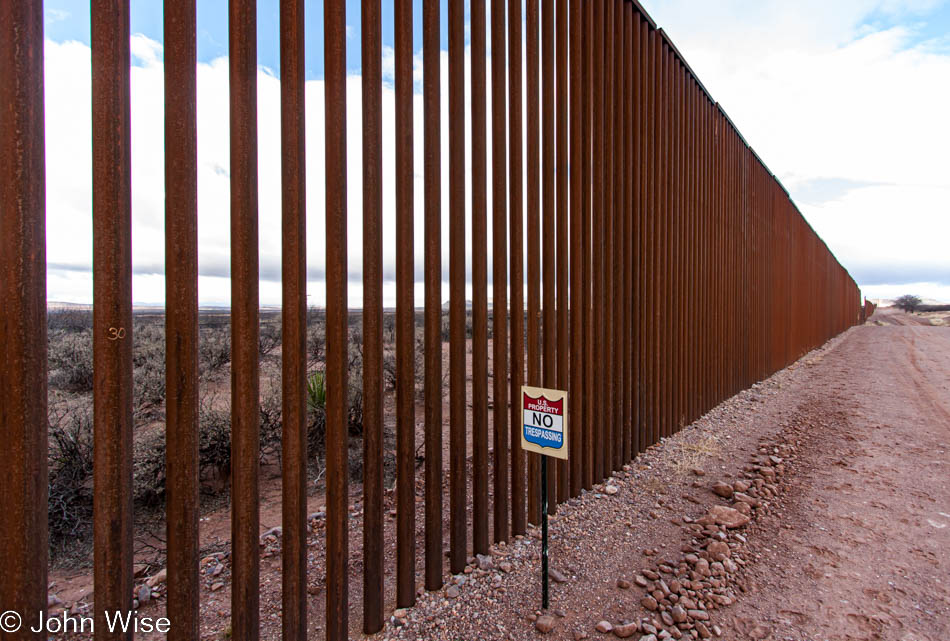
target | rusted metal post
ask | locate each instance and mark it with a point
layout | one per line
(607, 297)
(181, 321)
(662, 294)
(458, 490)
(499, 275)
(24, 537)
(587, 74)
(293, 321)
(576, 299)
(561, 193)
(533, 233)
(112, 313)
(646, 235)
(653, 241)
(630, 185)
(480, 516)
(619, 231)
(597, 229)
(549, 220)
(371, 42)
(405, 314)
(638, 310)
(516, 280)
(337, 468)
(245, 322)
(433, 292)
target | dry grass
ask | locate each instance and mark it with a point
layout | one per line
(690, 455)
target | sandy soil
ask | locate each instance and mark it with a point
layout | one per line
(848, 538)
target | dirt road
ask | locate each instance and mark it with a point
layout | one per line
(850, 541)
(863, 551)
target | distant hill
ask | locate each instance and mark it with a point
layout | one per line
(468, 305)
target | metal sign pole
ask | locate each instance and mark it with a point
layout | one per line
(544, 532)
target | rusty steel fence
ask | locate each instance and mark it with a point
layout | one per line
(675, 272)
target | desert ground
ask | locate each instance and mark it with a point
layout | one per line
(815, 505)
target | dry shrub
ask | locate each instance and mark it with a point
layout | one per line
(70, 360)
(70, 474)
(269, 337)
(214, 349)
(69, 320)
(148, 363)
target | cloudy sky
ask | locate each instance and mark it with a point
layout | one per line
(845, 101)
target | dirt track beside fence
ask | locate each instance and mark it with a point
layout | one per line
(853, 547)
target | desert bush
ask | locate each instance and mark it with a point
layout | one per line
(355, 392)
(316, 343)
(214, 349)
(70, 473)
(148, 362)
(419, 369)
(271, 425)
(214, 434)
(148, 468)
(70, 360)
(389, 369)
(69, 320)
(269, 337)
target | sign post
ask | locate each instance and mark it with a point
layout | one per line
(544, 432)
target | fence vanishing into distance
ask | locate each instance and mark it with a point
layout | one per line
(676, 271)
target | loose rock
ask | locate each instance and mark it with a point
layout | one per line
(722, 489)
(727, 516)
(544, 624)
(678, 614)
(626, 630)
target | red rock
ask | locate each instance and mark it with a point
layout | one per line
(718, 550)
(745, 508)
(727, 516)
(604, 627)
(722, 489)
(649, 603)
(544, 624)
(626, 630)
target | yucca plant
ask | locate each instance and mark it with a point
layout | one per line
(316, 391)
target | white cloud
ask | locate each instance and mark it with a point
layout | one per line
(69, 194)
(56, 15)
(849, 115)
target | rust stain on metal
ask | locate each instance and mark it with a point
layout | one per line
(181, 319)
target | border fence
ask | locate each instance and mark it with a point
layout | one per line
(675, 272)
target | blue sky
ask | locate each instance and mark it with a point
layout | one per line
(69, 20)
(845, 101)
